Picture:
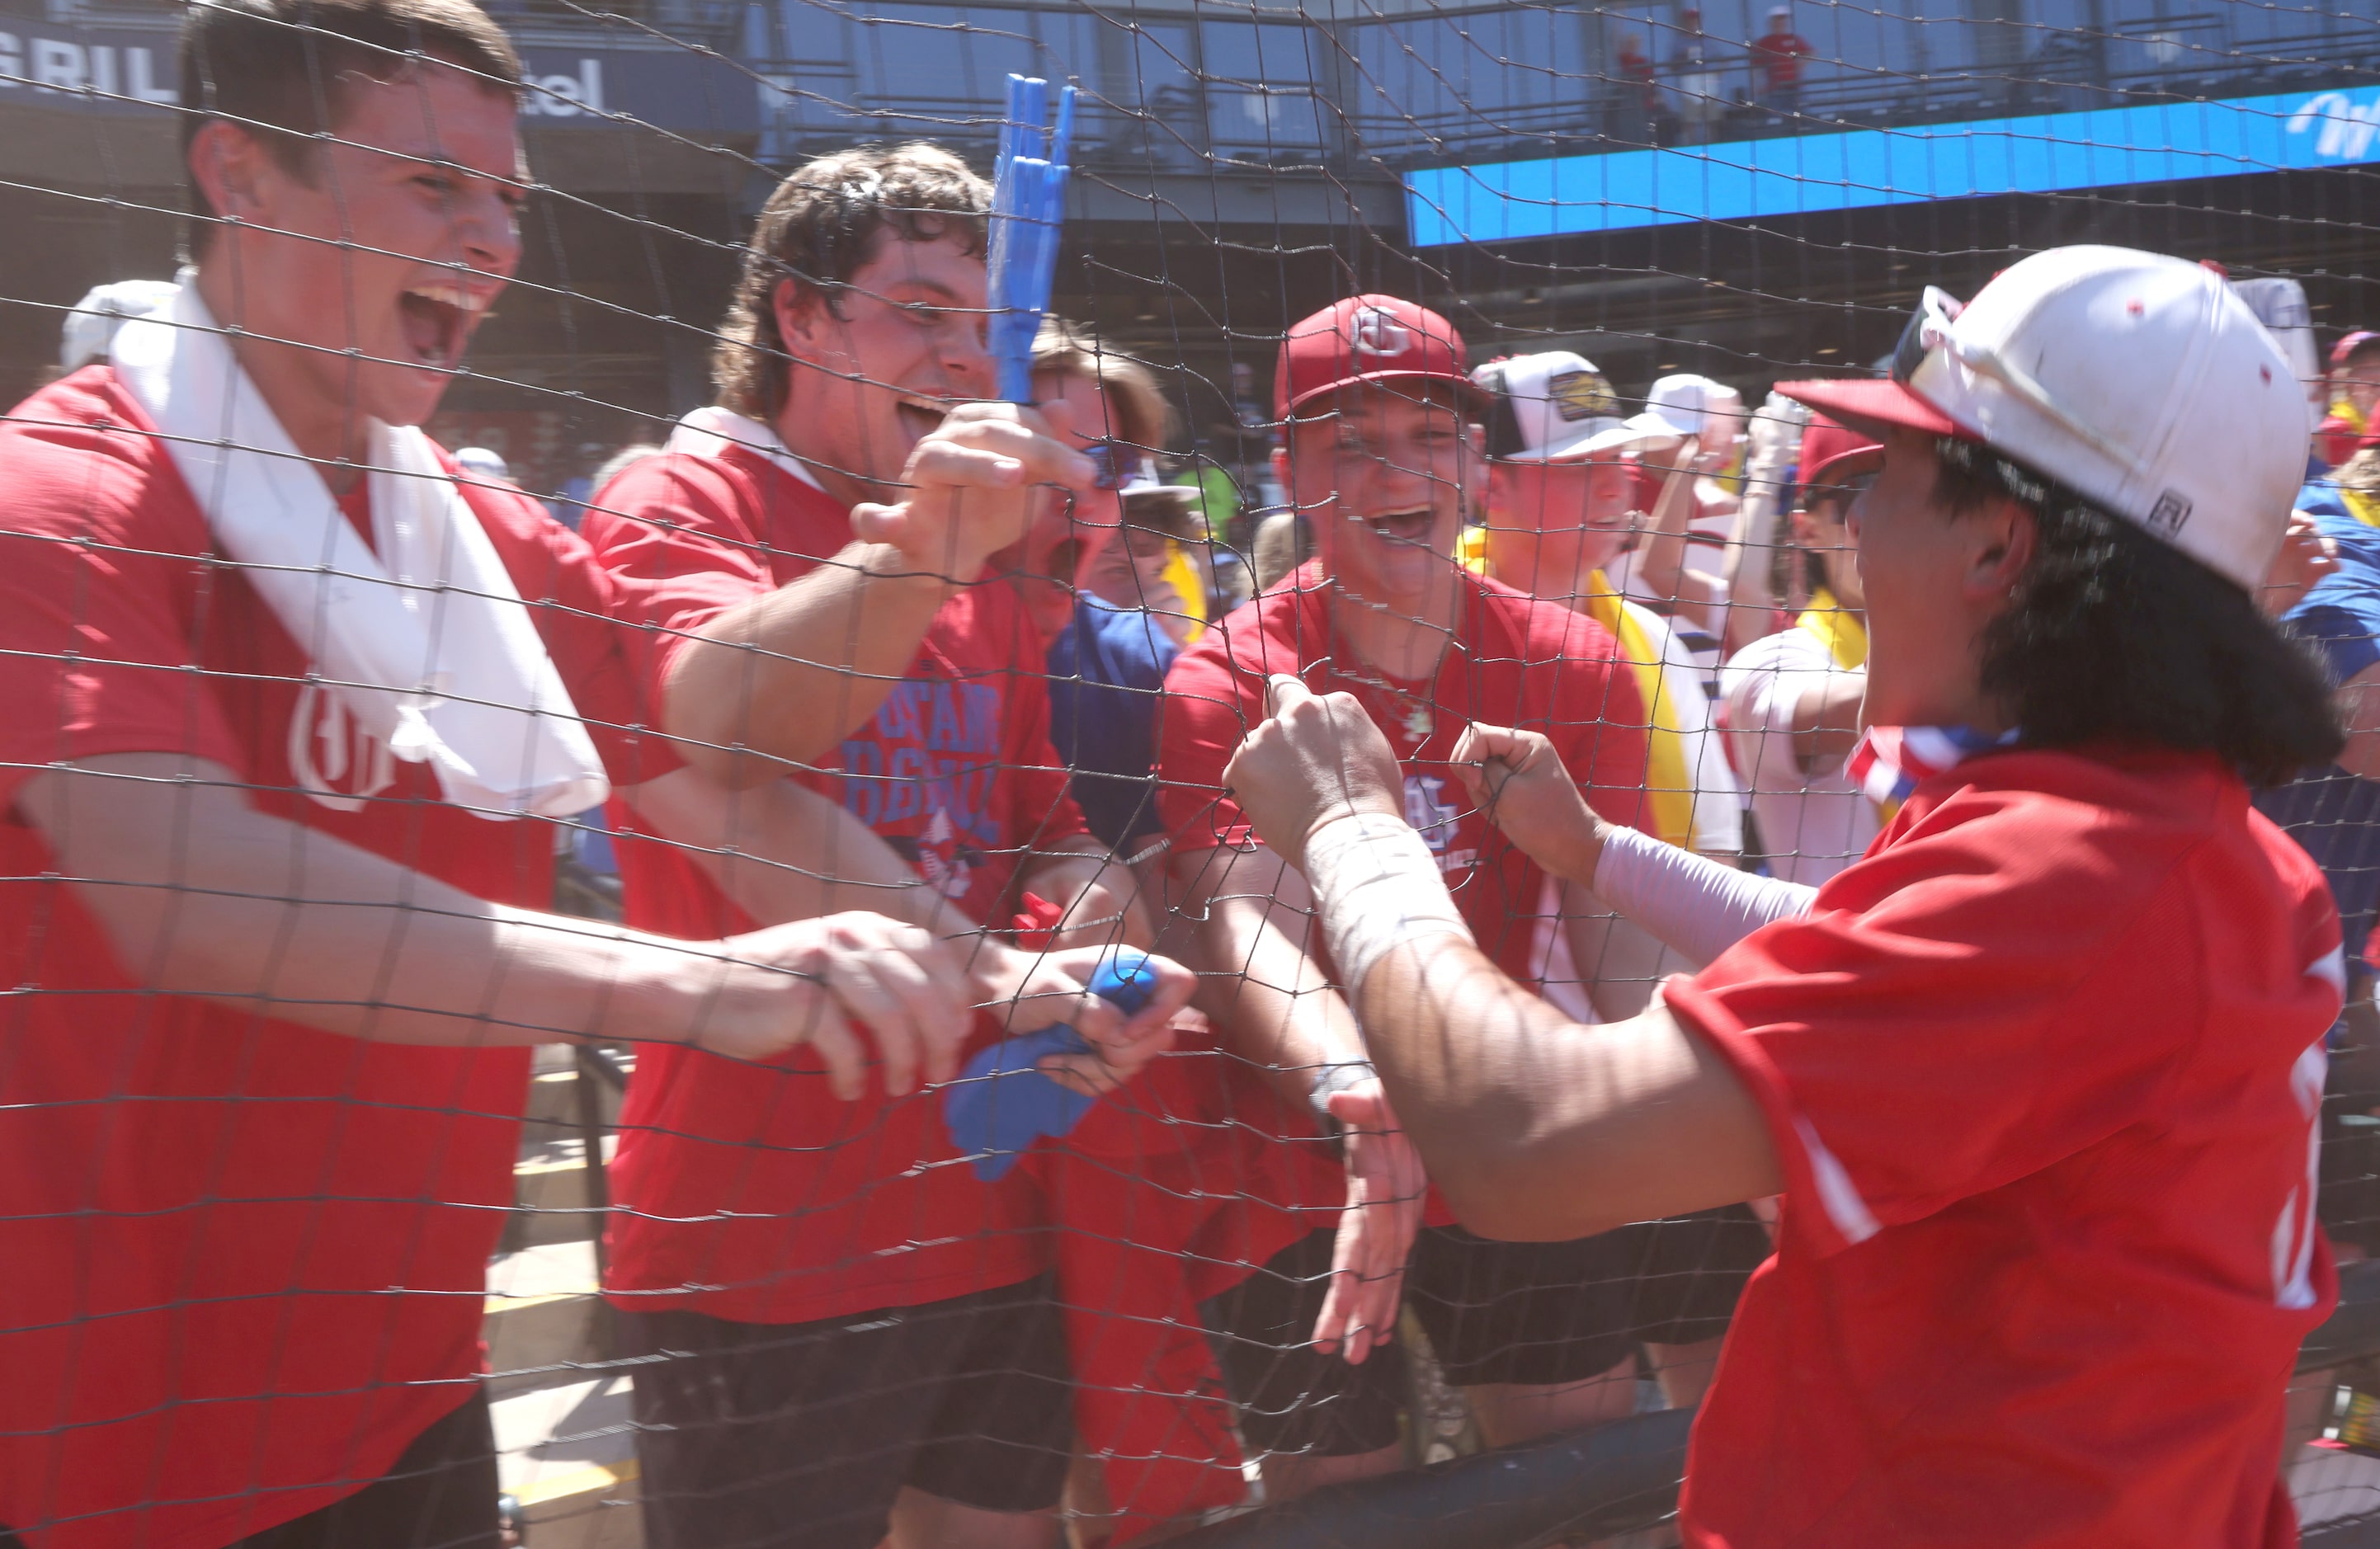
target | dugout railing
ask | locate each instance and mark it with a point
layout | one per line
(1623, 1477)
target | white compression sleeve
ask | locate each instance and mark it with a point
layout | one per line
(1375, 884)
(1691, 905)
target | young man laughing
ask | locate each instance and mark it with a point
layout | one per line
(1380, 452)
(269, 884)
(2039, 1077)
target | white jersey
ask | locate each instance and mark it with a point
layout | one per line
(1814, 823)
(1717, 813)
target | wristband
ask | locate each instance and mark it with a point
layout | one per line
(1375, 885)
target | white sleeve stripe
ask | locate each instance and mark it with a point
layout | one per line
(1844, 1207)
(2331, 969)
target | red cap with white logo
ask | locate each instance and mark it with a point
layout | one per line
(1368, 339)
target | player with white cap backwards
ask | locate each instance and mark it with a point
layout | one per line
(2038, 1076)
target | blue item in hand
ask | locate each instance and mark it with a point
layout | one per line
(1029, 206)
(1001, 1104)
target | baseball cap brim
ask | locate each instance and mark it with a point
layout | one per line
(1648, 428)
(1474, 396)
(1873, 404)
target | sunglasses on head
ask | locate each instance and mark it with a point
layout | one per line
(1115, 464)
(1929, 330)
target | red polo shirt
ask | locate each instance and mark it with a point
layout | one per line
(751, 1192)
(1514, 662)
(244, 1260)
(2044, 1073)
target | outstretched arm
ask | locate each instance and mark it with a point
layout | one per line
(1532, 1127)
(788, 675)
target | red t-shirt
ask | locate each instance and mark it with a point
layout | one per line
(753, 1192)
(2044, 1072)
(1516, 661)
(1780, 57)
(207, 1216)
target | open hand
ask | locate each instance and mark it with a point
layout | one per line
(1386, 1192)
(1318, 757)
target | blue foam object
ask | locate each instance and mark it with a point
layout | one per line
(1001, 1104)
(1028, 209)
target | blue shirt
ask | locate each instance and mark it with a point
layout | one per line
(1107, 672)
(2334, 815)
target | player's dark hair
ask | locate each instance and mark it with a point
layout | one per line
(820, 226)
(2114, 636)
(282, 69)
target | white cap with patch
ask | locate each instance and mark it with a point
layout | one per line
(1554, 406)
(2141, 382)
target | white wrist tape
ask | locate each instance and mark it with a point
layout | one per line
(1375, 884)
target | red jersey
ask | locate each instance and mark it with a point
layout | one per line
(753, 1192)
(1779, 55)
(245, 1259)
(2043, 1072)
(1515, 661)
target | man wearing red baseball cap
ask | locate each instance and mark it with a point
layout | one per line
(1794, 698)
(2038, 1076)
(1381, 451)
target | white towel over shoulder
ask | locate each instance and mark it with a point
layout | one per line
(421, 634)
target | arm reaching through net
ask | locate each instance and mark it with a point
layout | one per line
(788, 675)
(202, 894)
(1532, 1127)
(1696, 907)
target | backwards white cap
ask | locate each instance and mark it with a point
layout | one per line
(1554, 406)
(2140, 382)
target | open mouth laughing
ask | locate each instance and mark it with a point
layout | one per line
(920, 417)
(438, 319)
(1410, 526)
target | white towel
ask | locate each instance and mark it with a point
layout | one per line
(426, 642)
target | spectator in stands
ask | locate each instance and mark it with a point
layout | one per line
(2334, 812)
(1777, 56)
(2036, 1076)
(484, 464)
(1381, 451)
(259, 1115)
(622, 461)
(1635, 94)
(860, 1334)
(1559, 509)
(1698, 90)
(1794, 698)
(1160, 522)
(2354, 389)
(1107, 657)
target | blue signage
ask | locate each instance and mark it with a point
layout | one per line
(1504, 202)
(597, 85)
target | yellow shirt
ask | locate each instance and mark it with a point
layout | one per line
(1668, 775)
(1845, 633)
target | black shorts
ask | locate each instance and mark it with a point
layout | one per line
(766, 1434)
(1535, 1312)
(1690, 1272)
(1291, 1397)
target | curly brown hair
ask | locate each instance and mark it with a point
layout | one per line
(821, 224)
